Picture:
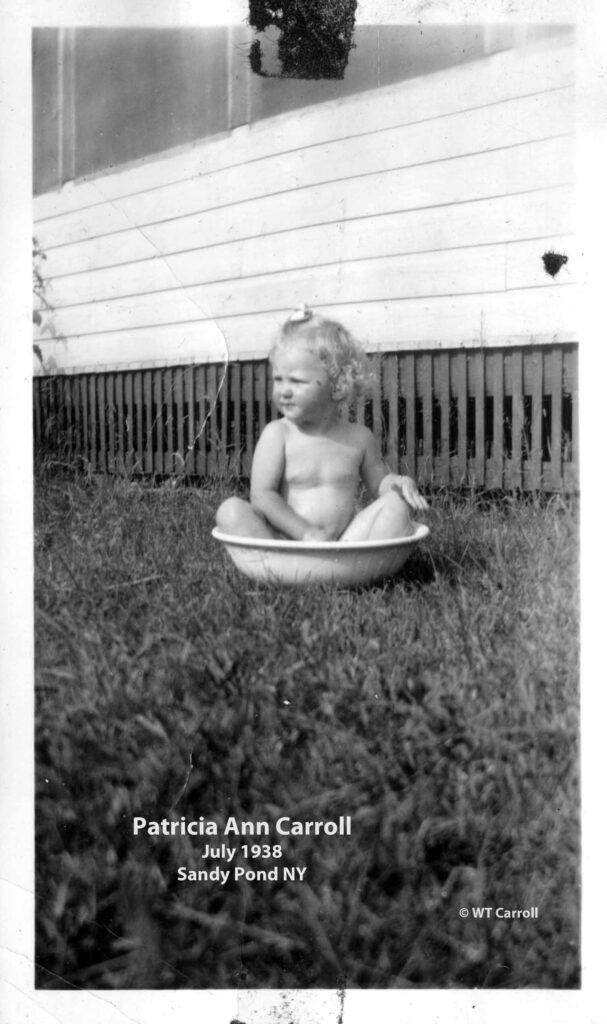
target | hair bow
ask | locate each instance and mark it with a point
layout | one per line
(300, 314)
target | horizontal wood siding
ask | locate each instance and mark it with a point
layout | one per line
(497, 419)
(418, 214)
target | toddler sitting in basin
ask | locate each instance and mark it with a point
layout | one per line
(307, 466)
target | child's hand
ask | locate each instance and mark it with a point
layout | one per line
(409, 490)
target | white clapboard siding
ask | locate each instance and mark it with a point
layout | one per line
(505, 318)
(417, 213)
(443, 272)
(524, 267)
(517, 121)
(200, 341)
(454, 181)
(515, 73)
(529, 215)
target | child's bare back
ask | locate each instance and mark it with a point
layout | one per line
(308, 465)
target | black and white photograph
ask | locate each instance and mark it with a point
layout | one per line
(299, 673)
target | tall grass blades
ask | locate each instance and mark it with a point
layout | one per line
(439, 711)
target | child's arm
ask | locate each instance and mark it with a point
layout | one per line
(378, 479)
(266, 476)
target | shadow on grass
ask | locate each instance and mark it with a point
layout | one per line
(418, 571)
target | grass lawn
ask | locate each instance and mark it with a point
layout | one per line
(439, 711)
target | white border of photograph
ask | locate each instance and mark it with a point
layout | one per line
(19, 1000)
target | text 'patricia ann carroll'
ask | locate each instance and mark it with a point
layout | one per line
(246, 861)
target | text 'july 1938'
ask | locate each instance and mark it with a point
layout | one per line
(224, 862)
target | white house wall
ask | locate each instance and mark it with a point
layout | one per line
(416, 214)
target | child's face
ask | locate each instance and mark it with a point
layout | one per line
(302, 390)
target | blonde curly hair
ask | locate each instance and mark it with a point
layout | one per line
(344, 358)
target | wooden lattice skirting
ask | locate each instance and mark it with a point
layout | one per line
(495, 418)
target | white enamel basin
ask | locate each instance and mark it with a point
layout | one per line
(348, 563)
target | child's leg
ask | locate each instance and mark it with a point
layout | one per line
(387, 517)
(238, 518)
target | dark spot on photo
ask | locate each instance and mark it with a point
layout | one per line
(553, 261)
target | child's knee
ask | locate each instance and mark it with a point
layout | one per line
(395, 513)
(230, 513)
(394, 502)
